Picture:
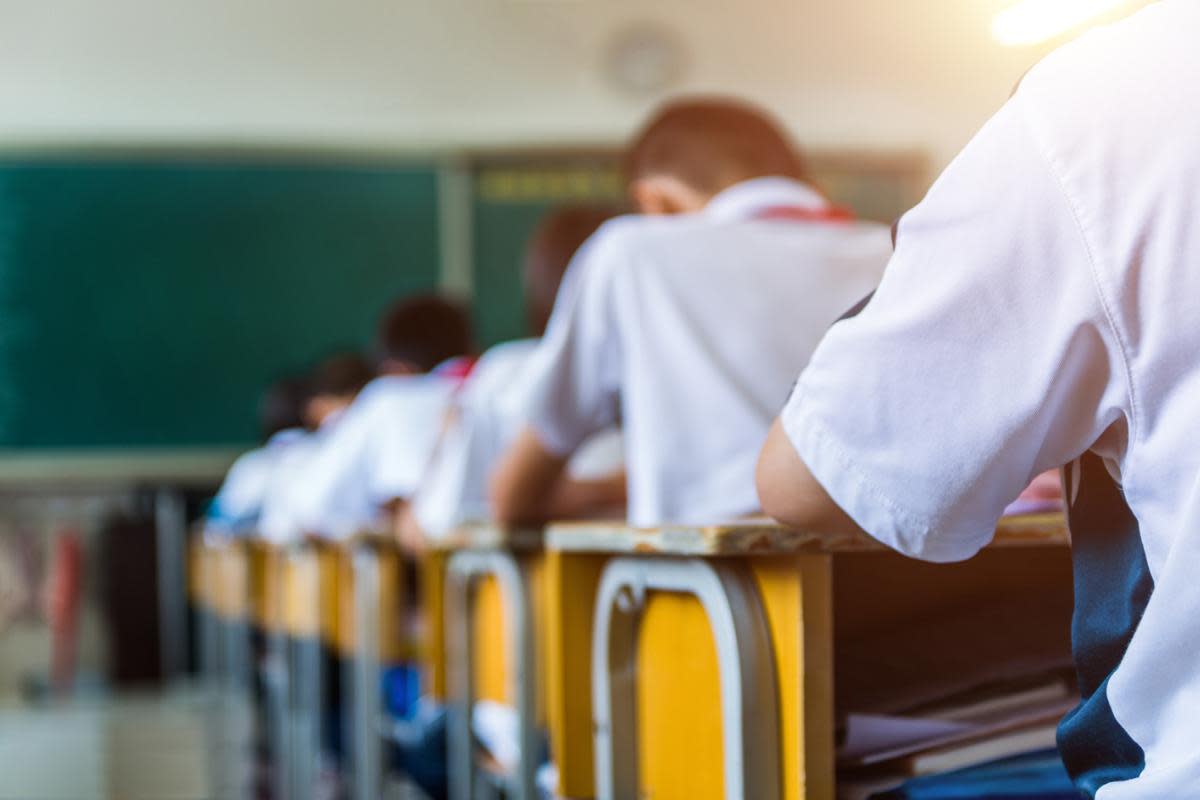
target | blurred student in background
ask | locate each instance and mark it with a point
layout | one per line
(366, 469)
(689, 322)
(487, 413)
(485, 416)
(238, 505)
(326, 393)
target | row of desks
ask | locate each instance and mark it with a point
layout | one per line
(700, 661)
(683, 661)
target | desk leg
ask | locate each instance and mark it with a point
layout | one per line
(749, 696)
(277, 679)
(306, 683)
(462, 570)
(797, 595)
(571, 583)
(433, 648)
(170, 526)
(365, 740)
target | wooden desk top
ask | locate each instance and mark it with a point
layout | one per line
(758, 536)
(491, 536)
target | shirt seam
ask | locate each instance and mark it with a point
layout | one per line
(1051, 165)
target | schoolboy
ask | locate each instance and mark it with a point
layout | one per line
(238, 504)
(487, 414)
(328, 391)
(372, 461)
(689, 321)
(1040, 310)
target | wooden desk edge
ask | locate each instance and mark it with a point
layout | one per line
(492, 536)
(760, 536)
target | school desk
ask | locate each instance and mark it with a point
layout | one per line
(699, 662)
(492, 579)
(199, 593)
(218, 584)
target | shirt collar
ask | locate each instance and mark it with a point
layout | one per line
(746, 199)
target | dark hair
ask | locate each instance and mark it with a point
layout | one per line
(340, 375)
(553, 243)
(710, 143)
(423, 332)
(282, 406)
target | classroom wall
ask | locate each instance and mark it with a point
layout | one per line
(413, 74)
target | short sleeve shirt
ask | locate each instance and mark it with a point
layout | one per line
(483, 421)
(689, 331)
(1042, 302)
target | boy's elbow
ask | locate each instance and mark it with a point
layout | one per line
(790, 494)
(777, 467)
(504, 500)
(778, 498)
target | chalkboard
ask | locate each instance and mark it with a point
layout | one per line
(147, 304)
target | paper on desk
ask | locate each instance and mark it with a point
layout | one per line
(498, 729)
(874, 733)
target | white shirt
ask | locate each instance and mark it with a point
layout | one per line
(484, 420)
(690, 330)
(238, 505)
(277, 522)
(1042, 302)
(375, 453)
(487, 416)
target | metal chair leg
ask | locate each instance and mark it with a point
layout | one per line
(463, 569)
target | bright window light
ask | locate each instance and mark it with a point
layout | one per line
(1034, 21)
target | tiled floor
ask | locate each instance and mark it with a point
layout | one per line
(179, 746)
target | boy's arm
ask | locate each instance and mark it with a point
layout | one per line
(789, 492)
(531, 485)
(524, 482)
(571, 393)
(985, 357)
(575, 498)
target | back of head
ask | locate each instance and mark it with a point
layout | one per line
(557, 236)
(282, 406)
(711, 143)
(418, 333)
(340, 375)
(333, 385)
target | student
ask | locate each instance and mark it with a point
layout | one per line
(689, 322)
(237, 507)
(369, 465)
(486, 415)
(1040, 310)
(327, 392)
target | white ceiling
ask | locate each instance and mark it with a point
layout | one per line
(415, 74)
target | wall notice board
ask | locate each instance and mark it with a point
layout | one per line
(145, 304)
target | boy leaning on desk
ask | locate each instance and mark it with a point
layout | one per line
(688, 321)
(1040, 310)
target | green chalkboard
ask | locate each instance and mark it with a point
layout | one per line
(147, 304)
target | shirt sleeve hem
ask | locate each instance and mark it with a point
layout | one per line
(555, 443)
(875, 512)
